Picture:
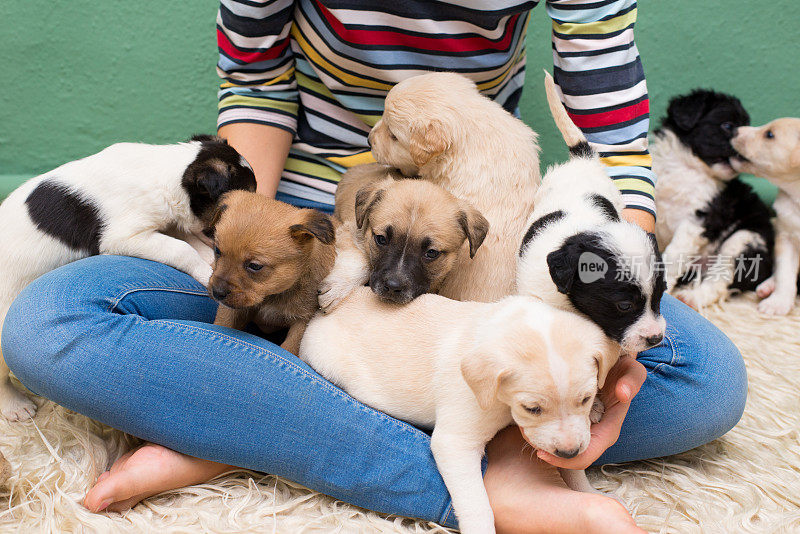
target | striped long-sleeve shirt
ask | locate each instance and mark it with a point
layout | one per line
(321, 69)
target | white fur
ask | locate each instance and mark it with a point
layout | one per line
(137, 189)
(389, 357)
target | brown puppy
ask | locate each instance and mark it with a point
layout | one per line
(439, 127)
(270, 258)
(402, 236)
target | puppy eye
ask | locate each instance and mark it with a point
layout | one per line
(392, 136)
(624, 306)
(585, 400)
(381, 240)
(432, 254)
(253, 267)
(217, 251)
(535, 410)
(727, 126)
(769, 135)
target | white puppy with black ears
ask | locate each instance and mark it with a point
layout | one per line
(578, 255)
(468, 370)
(123, 200)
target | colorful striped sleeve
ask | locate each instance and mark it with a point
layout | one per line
(600, 75)
(256, 63)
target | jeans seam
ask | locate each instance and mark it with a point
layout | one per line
(127, 292)
(319, 380)
(674, 354)
(448, 513)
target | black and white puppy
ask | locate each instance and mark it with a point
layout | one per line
(716, 232)
(123, 200)
(577, 253)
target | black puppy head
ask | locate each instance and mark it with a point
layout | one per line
(705, 121)
(217, 169)
(587, 272)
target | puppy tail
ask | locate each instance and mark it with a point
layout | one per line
(578, 145)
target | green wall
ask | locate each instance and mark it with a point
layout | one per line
(79, 75)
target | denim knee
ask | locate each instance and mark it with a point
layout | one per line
(720, 384)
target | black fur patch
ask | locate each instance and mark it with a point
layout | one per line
(582, 150)
(705, 121)
(597, 295)
(735, 208)
(388, 280)
(60, 213)
(216, 169)
(538, 225)
(605, 205)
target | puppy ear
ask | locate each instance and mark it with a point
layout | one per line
(563, 265)
(317, 225)
(428, 141)
(211, 225)
(475, 226)
(686, 111)
(366, 199)
(483, 377)
(606, 358)
(212, 181)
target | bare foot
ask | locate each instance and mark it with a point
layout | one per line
(529, 495)
(147, 471)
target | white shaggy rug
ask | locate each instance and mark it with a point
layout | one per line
(748, 481)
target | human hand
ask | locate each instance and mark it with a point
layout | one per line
(622, 384)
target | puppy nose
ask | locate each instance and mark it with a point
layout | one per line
(572, 453)
(219, 292)
(652, 341)
(394, 285)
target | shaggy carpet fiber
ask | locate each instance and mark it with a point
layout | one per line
(747, 481)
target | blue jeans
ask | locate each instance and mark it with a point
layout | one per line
(128, 342)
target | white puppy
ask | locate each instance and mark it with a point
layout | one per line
(773, 152)
(578, 255)
(123, 200)
(439, 127)
(468, 369)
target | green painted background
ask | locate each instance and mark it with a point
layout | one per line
(79, 75)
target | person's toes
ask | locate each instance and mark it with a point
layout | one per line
(113, 488)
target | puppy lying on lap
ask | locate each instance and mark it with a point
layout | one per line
(402, 236)
(270, 260)
(483, 367)
(130, 199)
(578, 255)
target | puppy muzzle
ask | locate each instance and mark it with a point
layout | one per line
(394, 288)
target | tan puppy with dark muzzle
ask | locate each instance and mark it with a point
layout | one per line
(481, 367)
(402, 236)
(270, 258)
(439, 127)
(772, 151)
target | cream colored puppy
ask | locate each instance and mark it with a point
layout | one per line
(439, 127)
(773, 152)
(482, 367)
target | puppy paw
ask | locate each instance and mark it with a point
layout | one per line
(699, 296)
(202, 273)
(766, 288)
(332, 293)
(15, 406)
(776, 304)
(596, 413)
